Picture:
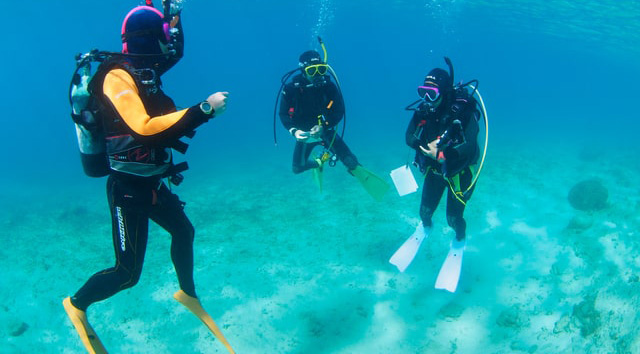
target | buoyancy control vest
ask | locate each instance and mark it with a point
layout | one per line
(126, 152)
(462, 110)
(106, 142)
(308, 101)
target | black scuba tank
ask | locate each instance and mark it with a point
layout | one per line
(89, 130)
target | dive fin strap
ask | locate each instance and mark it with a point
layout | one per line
(193, 304)
(88, 336)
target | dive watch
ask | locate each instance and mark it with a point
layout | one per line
(206, 108)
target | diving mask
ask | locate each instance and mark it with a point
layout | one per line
(313, 70)
(429, 93)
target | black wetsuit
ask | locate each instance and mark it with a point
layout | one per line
(459, 156)
(141, 126)
(132, 202)
(302, 106)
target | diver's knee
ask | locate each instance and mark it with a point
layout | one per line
(128, 278)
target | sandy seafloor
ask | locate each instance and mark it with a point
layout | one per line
(285, 270)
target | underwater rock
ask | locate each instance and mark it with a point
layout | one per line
(512, 317)
(562, 325)
(451, 310)
(586, 316)
(580, 222)
(19, 329)
(520, 346)
(588, 195)
(624, 344)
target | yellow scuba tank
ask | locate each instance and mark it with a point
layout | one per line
(89, 130)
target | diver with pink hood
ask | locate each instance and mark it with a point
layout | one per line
(137, 127)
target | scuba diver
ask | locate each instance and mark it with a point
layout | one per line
(444, 133)
(140, 126)
(311, 107)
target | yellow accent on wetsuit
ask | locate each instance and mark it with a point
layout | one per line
(456, 186)
(120, 88)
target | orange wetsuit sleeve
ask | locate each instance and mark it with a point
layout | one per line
(121, 90)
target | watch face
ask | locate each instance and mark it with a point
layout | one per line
(206, 107)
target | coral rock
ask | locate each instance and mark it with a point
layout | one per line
(588, 195)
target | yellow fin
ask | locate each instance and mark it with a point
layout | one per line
(193, 304)
(88, 336)
(375, 185)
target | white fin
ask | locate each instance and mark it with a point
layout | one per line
(450, 271)
(405, 254)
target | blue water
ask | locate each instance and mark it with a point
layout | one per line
(559, 79)
(548, 70)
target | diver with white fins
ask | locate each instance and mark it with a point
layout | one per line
(444, 132)
(128, 129)
(311, 107)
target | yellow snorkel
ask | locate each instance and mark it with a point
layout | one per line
(326, 57)
(324, 49)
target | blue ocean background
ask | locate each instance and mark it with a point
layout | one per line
(285, 269)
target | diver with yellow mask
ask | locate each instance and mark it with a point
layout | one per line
(311, 107)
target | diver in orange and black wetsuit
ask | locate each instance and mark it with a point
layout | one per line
(142, 127)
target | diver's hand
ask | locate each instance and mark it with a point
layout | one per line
(431, 150)
(316, 131)
(301, 135)
(219, 101)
